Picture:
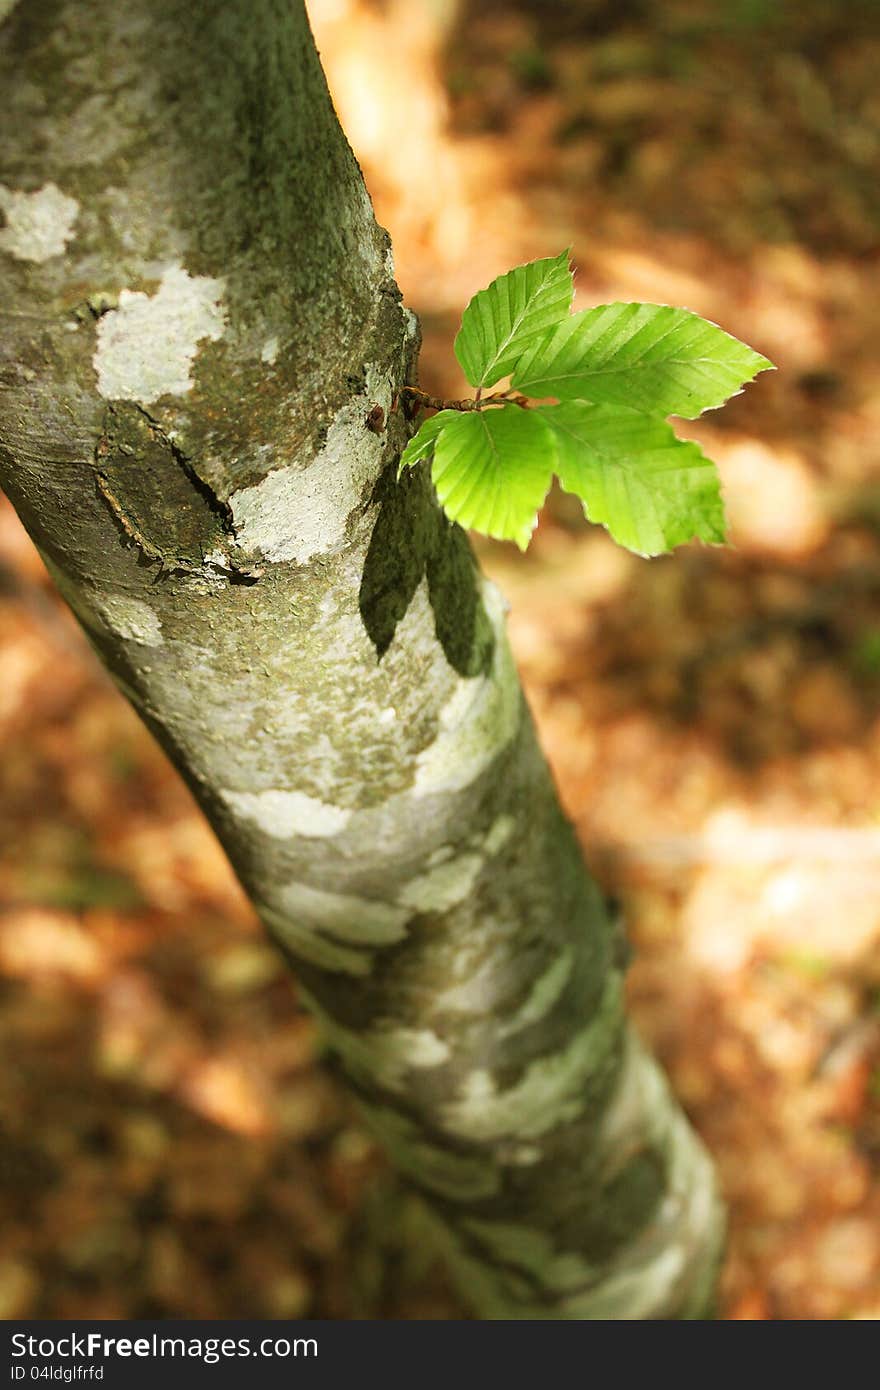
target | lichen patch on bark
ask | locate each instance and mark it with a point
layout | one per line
(385, 1053)
(550, 1093)
(38, 225)
(531, 1251)
(543, 995)
(146, 346)
(297, 513)
(310, 946)
(498, 834)
(444, 885)
(338, 931)
(459, 1176)
(132, 620)
(478, 720)
(283, 814)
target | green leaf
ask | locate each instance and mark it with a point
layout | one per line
(492, 470)
(504, 319)
(649, 488)
(649, 357)
(421, 446)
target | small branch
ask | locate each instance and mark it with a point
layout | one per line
(421, 398)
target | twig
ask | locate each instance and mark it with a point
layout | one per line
(421, 398)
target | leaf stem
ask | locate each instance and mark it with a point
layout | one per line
(421, 398)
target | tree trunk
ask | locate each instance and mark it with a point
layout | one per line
(202, 343)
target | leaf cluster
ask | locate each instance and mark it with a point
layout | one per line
(614, 373)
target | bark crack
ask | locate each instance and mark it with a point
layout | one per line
(223, 557)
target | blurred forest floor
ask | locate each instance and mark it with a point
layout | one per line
(170, 1144)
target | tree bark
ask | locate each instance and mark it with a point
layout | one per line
(201, 345)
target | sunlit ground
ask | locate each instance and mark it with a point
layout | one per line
(713, 717)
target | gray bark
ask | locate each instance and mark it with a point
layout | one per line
(199, 319)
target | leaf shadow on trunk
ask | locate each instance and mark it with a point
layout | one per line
(412, 538)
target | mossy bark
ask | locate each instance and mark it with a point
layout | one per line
(199, 321)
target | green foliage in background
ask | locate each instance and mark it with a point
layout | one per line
(616, 372)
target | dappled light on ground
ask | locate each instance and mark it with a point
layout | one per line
(170, 1146)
